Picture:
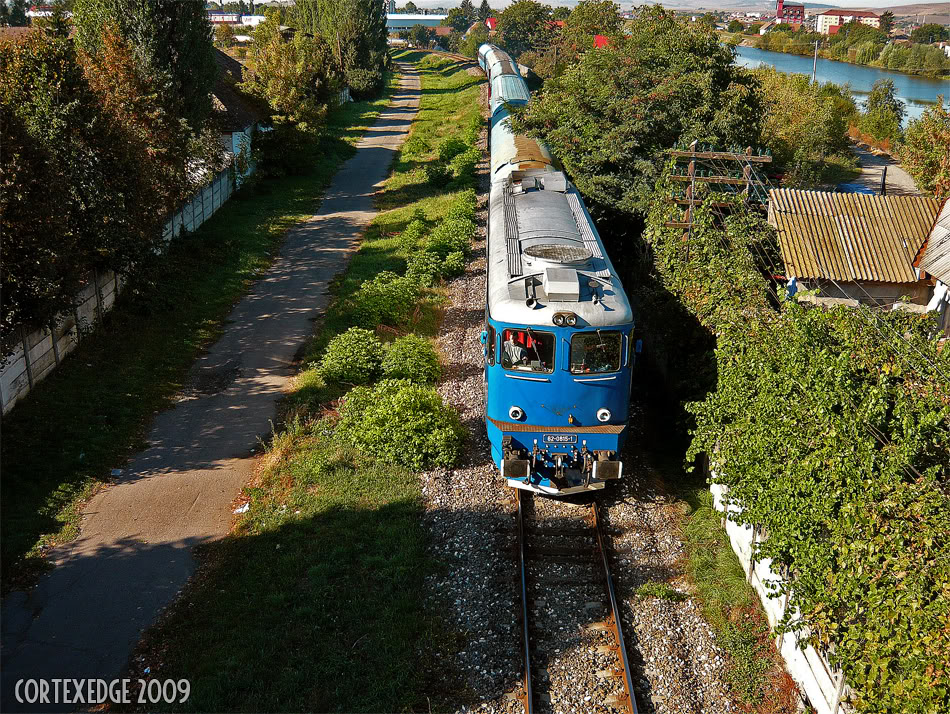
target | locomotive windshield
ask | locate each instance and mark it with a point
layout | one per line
(595, 352)
(527, 350)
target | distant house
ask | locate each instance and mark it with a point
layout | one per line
(853, 247)
(830, 21)
(491, 23)
(789, 14)
(766, 27)
(235, 113)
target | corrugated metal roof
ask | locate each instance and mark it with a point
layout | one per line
(849, 236)
(936, 257)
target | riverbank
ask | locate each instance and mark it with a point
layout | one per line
(917, 92)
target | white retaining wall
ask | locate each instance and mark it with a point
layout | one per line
(824, 686)
(39, 352)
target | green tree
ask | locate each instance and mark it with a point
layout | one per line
(473, 40)
(171, 40)
(709, 19)
(410, 8)
(421, 36)
(887, 21)
(883, 97)
(589, 18)
(296, 77)
(561, 12)
(610, 117)
(457, 20)
(929, 33)
(736, 26)
(521, 26)
(468, 10)
(15, 15)
(804, 124)
(224, 35)
(93, 134)
(484, 11)
(356, 33)
(925, 150)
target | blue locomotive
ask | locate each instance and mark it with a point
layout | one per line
(559, 349)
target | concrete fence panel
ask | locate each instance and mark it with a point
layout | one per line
(824, 687)
(40, 351)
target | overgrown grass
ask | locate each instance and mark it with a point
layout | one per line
(662, 591)
(93, 411)
(730, 605)
(314, 602)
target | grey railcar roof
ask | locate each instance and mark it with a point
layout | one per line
(543, 241)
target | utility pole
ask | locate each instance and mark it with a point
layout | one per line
(814, 67)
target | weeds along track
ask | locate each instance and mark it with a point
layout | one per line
(570, 616)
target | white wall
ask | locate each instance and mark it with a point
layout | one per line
(824, 687)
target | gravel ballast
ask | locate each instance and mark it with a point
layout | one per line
(470, 514)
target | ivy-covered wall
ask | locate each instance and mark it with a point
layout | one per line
(831, 429)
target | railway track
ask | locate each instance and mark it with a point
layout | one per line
(578, 548)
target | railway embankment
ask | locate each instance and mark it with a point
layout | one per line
(321, 578)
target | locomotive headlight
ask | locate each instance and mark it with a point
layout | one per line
(571, 320)
(603, 414)
(516, 413)
(559, 320)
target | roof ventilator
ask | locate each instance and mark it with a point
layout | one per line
(562, 285)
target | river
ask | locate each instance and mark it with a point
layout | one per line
(917, 92)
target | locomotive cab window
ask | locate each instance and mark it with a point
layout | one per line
(527, 350)
(596, 352)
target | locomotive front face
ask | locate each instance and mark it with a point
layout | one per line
(557, 405)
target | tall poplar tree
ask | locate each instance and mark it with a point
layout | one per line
(172, 43)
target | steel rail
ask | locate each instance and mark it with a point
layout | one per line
(616, 625)
(527, 695)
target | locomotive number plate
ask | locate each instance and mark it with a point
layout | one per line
(560, 438)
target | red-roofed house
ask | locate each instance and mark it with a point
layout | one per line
(836, 18)
(491, 23)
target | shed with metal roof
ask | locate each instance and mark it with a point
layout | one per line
(934, 255)
(851, 245)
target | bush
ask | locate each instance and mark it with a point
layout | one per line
(413, 358)
(880, 124)
(286, 150)
(353, 357)
(402, 423)
(386, 299)
(450, 148)
(454, 264)
(451, 236)
(463, 165)
(464, 206)
(412, 234)
(425, 267)
(437, 173)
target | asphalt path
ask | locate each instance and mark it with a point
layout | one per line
(134, 551)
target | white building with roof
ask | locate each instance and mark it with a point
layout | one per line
(830, 21)
(397, 22)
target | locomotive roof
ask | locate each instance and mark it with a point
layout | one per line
(543, 246)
